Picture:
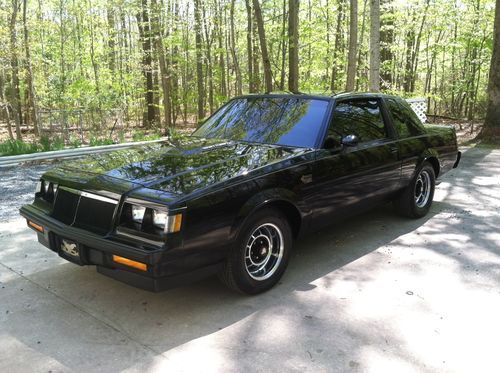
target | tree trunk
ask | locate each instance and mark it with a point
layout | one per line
(361, 66)
(491, 129)
(375, 46)
(110, 14)
(251, 83)
(164, 73)
(237, 69)
(199, 61)
(386, 43)
(293, 46)
(336, 49)
(263, 46)
(29, 74)
(283, 48)
(209, 69)
(147, 64)
(353, 45)
(14, 64)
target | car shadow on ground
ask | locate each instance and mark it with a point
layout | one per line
(160, 322)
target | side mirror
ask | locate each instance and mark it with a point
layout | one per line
(331, 143)
(350, 140)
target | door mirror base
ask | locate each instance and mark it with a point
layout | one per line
(350, 140)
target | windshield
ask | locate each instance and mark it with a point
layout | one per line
(289, 121)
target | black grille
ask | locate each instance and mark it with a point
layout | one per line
(65, 206)
(94, 215)
(84, 212)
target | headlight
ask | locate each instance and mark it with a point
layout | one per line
(138, 213)
(149, 220)
(160, 219)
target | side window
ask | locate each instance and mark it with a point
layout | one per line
(405, 120)
(362, 118)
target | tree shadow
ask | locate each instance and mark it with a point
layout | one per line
(157, 323)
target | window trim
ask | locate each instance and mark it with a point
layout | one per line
(391, 134)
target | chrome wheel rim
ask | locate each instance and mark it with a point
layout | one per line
(264, 251)
(422, 189)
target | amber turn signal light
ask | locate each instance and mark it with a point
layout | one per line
(130, 263)
(175, 223)
(35, 226)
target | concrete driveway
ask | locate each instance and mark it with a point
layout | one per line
(377, 293)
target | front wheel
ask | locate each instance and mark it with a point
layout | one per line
(261, 253)
(416, 199)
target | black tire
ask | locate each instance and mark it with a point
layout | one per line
(408, 204)
(236, 273)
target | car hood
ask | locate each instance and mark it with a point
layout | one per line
(178, 167)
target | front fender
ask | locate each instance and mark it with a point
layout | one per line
(260, 200)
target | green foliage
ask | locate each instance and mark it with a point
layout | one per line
(17, 147)
(76, 64)
(94, 141)
(142, 136)
(48, 144)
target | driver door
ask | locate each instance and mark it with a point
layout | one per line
(348, 179)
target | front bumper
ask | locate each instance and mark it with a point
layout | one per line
(99, 251)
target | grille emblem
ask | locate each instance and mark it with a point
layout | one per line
(69, 248)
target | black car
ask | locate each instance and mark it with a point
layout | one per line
(232, 197)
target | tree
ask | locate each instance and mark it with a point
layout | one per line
(14, 63)
(353, 46)
(386, 43)
(164, 73)
(375, 46)
(199, 61)
(147, 63)
(293, 45)
(29, 73)
(263, 46)
(491, 129)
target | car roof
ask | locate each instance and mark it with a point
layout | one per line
(343, 95)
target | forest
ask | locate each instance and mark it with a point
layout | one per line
(102, 68)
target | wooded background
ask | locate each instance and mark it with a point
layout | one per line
(162, 63)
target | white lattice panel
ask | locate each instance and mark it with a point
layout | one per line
(419, 106)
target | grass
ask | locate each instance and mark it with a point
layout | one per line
(45, 143)
(16, 147)
(141, 136)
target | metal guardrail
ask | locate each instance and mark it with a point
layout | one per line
(68, 153)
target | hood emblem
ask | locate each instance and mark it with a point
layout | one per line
(306, 179)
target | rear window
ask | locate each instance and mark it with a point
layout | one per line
(404, 118)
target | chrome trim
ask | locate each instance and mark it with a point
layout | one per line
(89, 195)
(99, 198)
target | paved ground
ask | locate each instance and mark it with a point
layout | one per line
(374, 294)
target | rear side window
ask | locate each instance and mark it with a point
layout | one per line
(362, 118)
(404, 118)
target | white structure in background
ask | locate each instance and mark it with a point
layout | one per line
(419, 106)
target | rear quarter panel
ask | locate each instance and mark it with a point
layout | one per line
(438, 142)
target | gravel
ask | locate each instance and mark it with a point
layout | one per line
(17, 188)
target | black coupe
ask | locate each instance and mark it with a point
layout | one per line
(232, 197)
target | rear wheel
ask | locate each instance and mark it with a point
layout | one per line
(260, 256)
(416, 200)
